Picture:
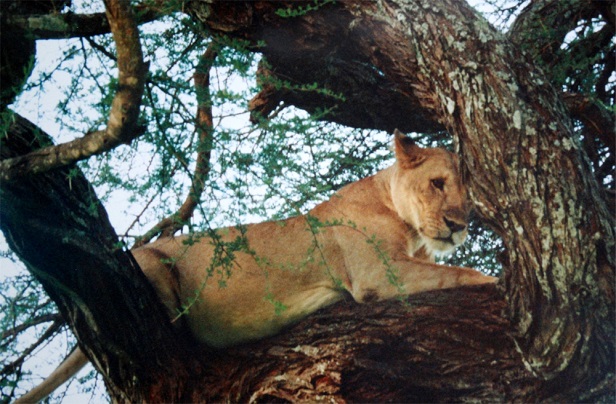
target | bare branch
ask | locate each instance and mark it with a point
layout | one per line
(204, 123)
(101, 49)
(121, 126)
(73, 362)
(31, 323)
(53, 328)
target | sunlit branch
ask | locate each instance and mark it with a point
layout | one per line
(122, 122)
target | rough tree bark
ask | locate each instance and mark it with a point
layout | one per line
(549, 335)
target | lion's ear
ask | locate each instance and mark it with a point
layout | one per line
(408, 154)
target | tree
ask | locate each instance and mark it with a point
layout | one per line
(535, 134)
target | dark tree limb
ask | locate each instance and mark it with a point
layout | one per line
(59, 229)
(596, 118)
(319, 48)
(49, 332)
(435, 347)
(55, 25)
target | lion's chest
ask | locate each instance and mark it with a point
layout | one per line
(423, 254)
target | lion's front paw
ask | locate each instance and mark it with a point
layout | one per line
(490, 279)
(473, 277)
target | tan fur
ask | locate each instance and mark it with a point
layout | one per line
(375, 239)
(389, 224)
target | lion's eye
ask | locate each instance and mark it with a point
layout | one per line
(438, 183)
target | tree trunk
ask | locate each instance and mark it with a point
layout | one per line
(428, 65)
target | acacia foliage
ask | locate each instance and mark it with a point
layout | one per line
(280, 164)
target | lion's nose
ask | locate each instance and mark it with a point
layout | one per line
(454, 226)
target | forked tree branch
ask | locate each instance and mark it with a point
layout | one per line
(204, 124)
(122, 123)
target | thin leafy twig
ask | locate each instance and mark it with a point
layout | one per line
(204, 125)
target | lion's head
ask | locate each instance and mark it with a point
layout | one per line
(428, 193)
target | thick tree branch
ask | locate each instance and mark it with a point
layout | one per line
(121, 126)
(310, 66)
(443, 346)
(499, 114)
(353, 96)
(205, 127)
(59, 229)
(70, 25)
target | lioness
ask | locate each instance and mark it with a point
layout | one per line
(375, 239)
